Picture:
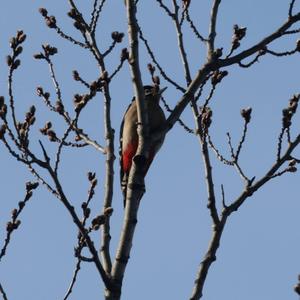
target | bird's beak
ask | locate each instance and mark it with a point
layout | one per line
(162, 90)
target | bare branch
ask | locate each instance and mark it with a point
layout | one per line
(136, 178)
(210, 255)
(109, 182)
(262, 44)
(106, 279)
(269, 175)
(86, 213)
(212, 27)
(209, 258)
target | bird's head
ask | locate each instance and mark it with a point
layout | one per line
(153, 92)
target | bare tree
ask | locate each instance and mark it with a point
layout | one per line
(197, 93)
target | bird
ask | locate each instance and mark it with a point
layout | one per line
(129, 135)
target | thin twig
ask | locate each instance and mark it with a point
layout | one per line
(210, 95)
(223, 196)
(292, 31)
(117, 70)
(279, 144)
(287, 170)
(249, 64)
(43, 181)
(95, 15)
(182, 17)
(55, 82)
(199, 93)
(235, 161)
(193, 27)
(185, 127)
(65, 115)
(154, 60)
(69, 38)
(61, 144)
(10, 132)
(80, 246)
(288, 134)
(73, 281)
(217, 152)
(72, 144)
(280, 54)
(242, 140)
(291, 8)
(181, 46)
(165, 8)
(15, 222)
(3, 292)
(94, 11)
(111, 47)
(13, 153)
(81, 80)
(12, 101)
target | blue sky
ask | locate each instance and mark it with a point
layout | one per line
(259, 255)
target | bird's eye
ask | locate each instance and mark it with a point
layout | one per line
(147, 92)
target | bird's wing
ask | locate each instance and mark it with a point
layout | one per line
(121, 145)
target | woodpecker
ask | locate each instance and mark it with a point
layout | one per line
(129, 136)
